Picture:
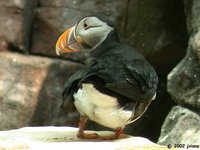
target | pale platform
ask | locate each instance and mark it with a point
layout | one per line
(64, 138)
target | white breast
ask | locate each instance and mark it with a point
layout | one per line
(100, 108)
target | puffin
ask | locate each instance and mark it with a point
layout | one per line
(117, 84)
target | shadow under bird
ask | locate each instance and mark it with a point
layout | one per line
(117, 85)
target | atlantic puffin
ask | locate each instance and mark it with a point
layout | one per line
(116, 86)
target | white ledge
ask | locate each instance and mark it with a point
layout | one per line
(62, 138)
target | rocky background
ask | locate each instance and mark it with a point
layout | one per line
(32, 76)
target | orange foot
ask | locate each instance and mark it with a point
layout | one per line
(83, 135)
(115, 136)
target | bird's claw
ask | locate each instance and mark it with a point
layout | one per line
(112, 137)
(83, 135)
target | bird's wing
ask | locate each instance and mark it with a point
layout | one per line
(139, 83)
(69, 88)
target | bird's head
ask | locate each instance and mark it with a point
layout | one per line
(87, 34)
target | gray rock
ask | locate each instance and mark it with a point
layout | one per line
(180, 127)
(16, 24)
(158, 30)
(193, 24)
(184, 80)
(13, 3)
(107, 7)
(10, 28)
(31, 89)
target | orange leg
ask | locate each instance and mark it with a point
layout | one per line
(117, 134)
(82, 134)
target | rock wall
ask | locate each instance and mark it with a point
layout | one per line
(32, 76)
(31, 88)
(180, 127)
(11, 24)
(182, 123)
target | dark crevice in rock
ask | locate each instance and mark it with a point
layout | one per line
(29, 17)
(14, 48)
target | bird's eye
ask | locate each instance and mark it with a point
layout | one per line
(86, 26)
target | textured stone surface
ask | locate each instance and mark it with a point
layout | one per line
(10, 28)
(65, 138)
(158, 30)
(107, 7)
(193, 24)
(192, 15)
(184, 80)
(12, 3)
(30, 90)
(180, 127)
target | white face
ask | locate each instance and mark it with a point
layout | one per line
(92, 31)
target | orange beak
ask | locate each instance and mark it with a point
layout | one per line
(68, 43)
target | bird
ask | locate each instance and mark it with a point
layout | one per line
(117, 84)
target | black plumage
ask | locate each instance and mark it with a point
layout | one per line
(117, 70)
